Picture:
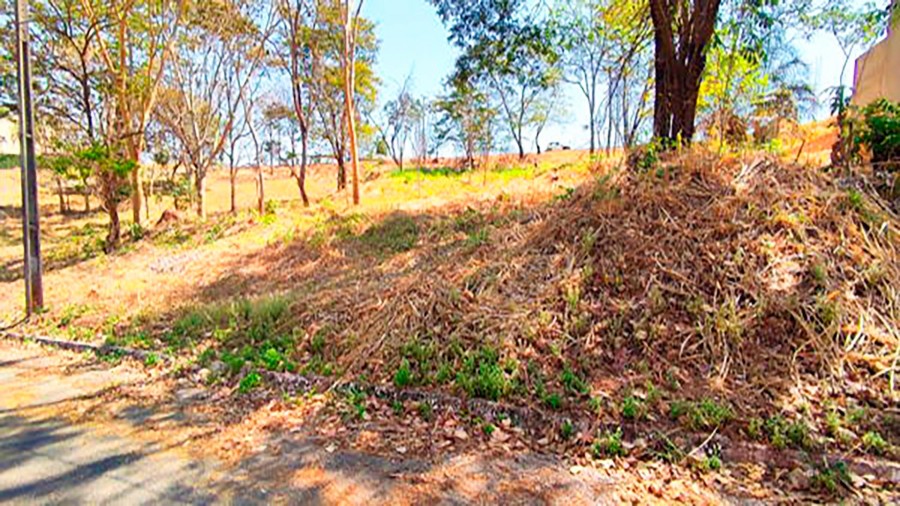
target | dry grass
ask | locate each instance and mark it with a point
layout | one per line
(745, 278)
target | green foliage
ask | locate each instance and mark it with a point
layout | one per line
(249, 382)
(831, 478)
(357, 400)
(477, 238)
(704, 415)
(151, 360)
(553, 401)
(878, 129)
(481, 375)
(8, 161)
(874, 443)
(573, 383)
(782, 434)
(403, 376)
(609, 445)
(425, 410)
(632, 408)
(567, 430)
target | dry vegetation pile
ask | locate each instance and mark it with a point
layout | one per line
(699, 296)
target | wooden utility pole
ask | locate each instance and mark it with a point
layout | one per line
(34, 289)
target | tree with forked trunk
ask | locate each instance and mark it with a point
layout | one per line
(683, 30)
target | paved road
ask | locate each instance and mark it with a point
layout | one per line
(46, 459)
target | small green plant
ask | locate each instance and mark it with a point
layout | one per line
(712, 463)
(403, 376)
(357, 400)
(488, 429)
(755, 428)
(425, 410)
(609, 445)
(830, 478)
(567, 430)
(709, 414)
(249, 382)
(573, 383)
(798, 435)
(317, 344)
(151, 360)
(604, 190)
(565, 195)
(819, 274)
(481, 375)
(398, 408)
(783, 434)
(833, 423)
(136, 231)
(874, 443)
(632, 408)
(553, 401)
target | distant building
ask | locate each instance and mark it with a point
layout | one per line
(878, 71)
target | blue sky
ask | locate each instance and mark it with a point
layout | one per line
(414, 40)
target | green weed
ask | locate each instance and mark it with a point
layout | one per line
(831, 478)
(874, 443)
(250, 382)
(481, 376)
(403, 376)
(609, 445)
(573, 383)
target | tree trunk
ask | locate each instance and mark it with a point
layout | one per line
(137, 192)
(260, 190)
(680, 60)
(349, 88)
(62, 198)
(341, 174)
(351, 131)
(201, 195)
(232, 177)
(115, 229)
(301, 180)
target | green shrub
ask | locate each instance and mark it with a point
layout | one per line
(878, 130)
(632, 408)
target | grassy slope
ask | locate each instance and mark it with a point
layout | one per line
(714, 293)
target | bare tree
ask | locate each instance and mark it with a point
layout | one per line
(401, 115)
(220, 55)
